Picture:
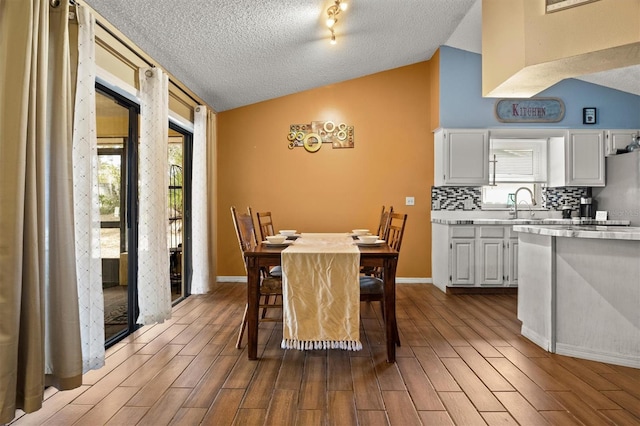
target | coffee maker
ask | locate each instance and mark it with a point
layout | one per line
(586, 208)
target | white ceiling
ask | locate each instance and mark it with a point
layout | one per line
(235, 53)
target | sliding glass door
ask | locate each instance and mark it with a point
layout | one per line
(117, 126)
(179, 209)
(117, 131)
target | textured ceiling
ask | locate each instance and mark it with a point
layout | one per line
(235, 53)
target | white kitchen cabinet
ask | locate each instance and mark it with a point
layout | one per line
(491, 254)
(462, 249)
(578, 160)
(618, 139)
(461, 157)
(474, 256)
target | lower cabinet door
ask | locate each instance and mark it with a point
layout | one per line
(491, 262)
(462, 261)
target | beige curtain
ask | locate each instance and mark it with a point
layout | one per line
(39, 327)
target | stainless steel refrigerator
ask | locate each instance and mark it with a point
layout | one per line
(621, 195)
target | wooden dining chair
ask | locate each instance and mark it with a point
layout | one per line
(395, 232)
(270, 286)
(383, 230)
(265, 224)
(266, 228)
(372, 286)
(385, 221)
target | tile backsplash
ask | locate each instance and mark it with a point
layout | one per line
(555, 198)
(455, 197)
(470, 197)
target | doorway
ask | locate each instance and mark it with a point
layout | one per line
(117, 133)
(179, 209)
(117, 125)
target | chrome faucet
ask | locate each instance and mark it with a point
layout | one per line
(515, 203)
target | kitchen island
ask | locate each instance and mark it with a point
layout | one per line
(579, 290)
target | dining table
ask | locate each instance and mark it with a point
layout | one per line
(378, 256)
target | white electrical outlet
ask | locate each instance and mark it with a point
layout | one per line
(468, 204)
(409, 201)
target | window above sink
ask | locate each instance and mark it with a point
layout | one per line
(515, 163)
(518, 160)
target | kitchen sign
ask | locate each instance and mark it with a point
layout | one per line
(529, 110)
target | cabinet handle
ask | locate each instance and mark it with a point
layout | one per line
(494, 161)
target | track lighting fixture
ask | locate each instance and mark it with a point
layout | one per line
(332, 17)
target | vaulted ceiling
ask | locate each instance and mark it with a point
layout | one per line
(235, 53)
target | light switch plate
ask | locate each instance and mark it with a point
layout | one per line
(410, 201)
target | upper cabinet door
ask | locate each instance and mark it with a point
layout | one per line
(462, 157)
(585, 152)
(618, 139)
(577, 159)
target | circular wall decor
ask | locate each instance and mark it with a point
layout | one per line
(329, 127)
(311, 145)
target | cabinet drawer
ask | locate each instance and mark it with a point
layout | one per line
(491, 231)
(463, 232)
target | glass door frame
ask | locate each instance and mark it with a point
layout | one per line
(187, 174)
(129, 187)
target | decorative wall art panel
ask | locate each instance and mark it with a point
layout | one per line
(311, 136)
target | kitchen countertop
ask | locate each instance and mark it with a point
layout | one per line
(547, 221)
(602, 232)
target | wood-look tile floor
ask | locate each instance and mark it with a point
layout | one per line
(462, 361)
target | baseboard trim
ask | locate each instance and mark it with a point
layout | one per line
(243, 279)
(536, 338)
(400, 280)
(231, 279)
(626, 360)
(482, 290)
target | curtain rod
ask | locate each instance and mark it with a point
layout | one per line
(132, 50)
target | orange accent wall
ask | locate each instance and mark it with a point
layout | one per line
(333, 190)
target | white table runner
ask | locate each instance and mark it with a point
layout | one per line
(321, 293)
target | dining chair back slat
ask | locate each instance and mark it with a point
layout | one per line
(265, 224)
(385, 220)
(245, 231)
(397, 222)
